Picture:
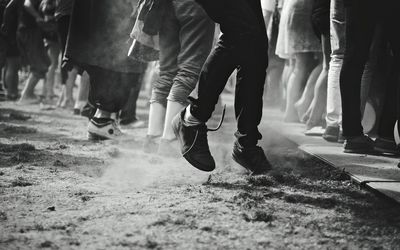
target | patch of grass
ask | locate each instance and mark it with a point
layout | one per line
(261, 180)
(3, 216)
(151, 243)
(18, 116)
(19, 130)
(5, 148)
(59, 163)
(327, 203)
(21, 182)
(21, 157)
(258, 215)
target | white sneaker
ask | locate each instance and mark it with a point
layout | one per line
(105, 131)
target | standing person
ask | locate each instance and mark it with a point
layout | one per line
(186, 37)
(12, 55)
(243, 45)
(362, 17)
(297, 43)
(97, 43)
(334, 102)
(63, 16)
(30, 41)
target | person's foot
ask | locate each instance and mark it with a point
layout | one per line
(358, 145)
(67, 103)
(28, 100)
(12, 97)
(194, 143)
(251, 158)
(168, 148)
(103, 129)
(331, 134)
(386, 146)
(150, 145)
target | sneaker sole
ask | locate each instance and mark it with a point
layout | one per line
(196, 164)
(247, 166)
(386, 151)
(358, 151)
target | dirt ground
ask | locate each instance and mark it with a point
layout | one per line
(60, 191)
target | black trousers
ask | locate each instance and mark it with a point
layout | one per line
(242, 46)
(362, 17)
(109, 90)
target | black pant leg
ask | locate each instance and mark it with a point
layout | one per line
(361, 20)
(244, 45)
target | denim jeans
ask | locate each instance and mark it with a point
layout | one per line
(242, 46)
(186, 38)
(337, 30)
(362, 17)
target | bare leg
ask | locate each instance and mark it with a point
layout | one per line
(53, 52)
(297, 80)
(83, 91)
(28, 94)
(318, 105)
(68, 100)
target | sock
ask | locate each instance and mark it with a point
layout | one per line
(189, 119)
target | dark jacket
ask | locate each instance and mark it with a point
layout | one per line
(99, 35)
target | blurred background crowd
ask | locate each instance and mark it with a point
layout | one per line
(333, 64)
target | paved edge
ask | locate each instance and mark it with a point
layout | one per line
(362, 184)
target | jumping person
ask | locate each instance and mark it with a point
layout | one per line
(186, 37)
(243, 46)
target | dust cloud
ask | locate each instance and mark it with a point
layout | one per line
(133, 170)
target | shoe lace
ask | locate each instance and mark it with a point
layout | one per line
(220, 122)
(117, 130)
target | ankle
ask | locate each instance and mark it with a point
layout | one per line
(189, 119)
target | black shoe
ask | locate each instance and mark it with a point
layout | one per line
(386, 146)
(252, 158)
(331, 134)
(194, 143)
(359, 145)
(88, 111)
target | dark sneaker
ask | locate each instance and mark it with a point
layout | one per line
(359, 145)
(194, 143)
(386, 146)
(252, 158)
(331, 134)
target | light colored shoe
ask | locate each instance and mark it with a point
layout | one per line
(105, 131)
